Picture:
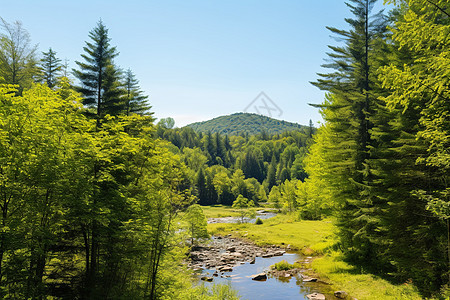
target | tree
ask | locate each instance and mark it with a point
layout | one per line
(420, 95)
(99, 76)
(243, 205)
(271, 177)
(136, 101)
(202, 192)
(18, 63)
(348, 109)
(50, 68)
(196, 223)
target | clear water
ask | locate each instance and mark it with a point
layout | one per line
(273, 288)
(261, 215)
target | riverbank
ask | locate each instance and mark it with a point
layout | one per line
(316, 238)
(246, 267)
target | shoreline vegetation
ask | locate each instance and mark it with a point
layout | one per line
(312, 238)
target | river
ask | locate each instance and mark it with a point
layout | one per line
(273, 288)
(240, 278)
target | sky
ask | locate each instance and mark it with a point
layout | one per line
(201, 59)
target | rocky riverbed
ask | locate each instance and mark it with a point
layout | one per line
(224, 253)
(244, 265)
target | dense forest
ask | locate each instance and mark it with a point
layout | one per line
(98, 202)
(223, 167)
(242, 123)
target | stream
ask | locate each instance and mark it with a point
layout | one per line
(272, 288)
(227, 260)
(259, 214)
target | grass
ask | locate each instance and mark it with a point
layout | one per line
(284, 266)
(314, 238)
(360, 286)
(219, 211)
(282, 230)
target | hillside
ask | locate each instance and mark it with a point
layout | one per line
(238, 123)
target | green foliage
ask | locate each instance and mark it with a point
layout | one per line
(102, 92)
(245, 123)
(196, 223)
(258, 221)
(50, 68)
(216, 291)
(18, 62)
(243, 204)
(283, 266)
(136, 101)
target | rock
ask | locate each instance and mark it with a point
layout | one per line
(340, 294)
(266, 255)
(252, 261)
(215, 274)
(279, 253)
(209, 279)
(219, 237)
(315, 296)
(231, 249)
(225, 269)
(309, 279)
(259, 277)
(287, 275)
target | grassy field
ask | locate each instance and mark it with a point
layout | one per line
(283, 230)
(313, 238)
(219, 211)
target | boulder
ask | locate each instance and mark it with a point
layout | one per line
(225, 269)
(231, 249)
(209, 279)
(266, 255)
(259, 277)
(340, 294)
(279, 253)
(252, 261)
(315, 296)
(309, 279)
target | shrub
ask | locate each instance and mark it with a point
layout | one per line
(282, 266)
(258, 221)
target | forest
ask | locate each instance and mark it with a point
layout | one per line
(242, 123)
(100, 201)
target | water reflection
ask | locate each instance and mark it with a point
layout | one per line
(273, 288)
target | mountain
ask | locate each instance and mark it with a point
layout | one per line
(238, 123)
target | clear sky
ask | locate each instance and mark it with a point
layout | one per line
(203, 58)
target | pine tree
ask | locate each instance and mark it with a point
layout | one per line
(136, 101)
(348, 110)
(202, 192)
(99, 76)
(50, 68)
(271, 177)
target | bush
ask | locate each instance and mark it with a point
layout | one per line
(283, 266)
(258, 221)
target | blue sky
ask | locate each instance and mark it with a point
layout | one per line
(200, 59)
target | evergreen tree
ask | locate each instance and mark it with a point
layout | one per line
(202, 191)
(50, 68)
(419, 214)
(271, 177)
(99, 76)
(220, 149)
(136, 101)
(348, 110)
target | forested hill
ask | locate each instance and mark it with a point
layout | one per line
(238, 123)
